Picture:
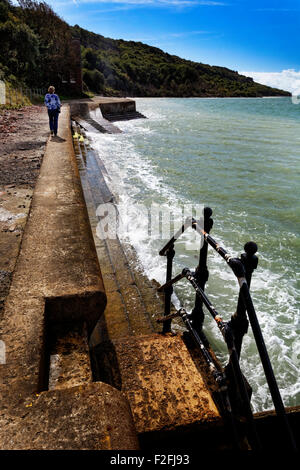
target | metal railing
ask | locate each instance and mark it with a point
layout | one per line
(231, 382)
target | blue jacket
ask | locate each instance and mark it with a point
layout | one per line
(52, 101)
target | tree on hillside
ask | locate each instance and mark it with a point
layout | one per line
(19, 45)
(55, 40)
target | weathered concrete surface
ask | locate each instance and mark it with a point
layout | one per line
(56, 290)
(99, 113)
(69, 362)
(91, 417)
(119, 111)
(116, 106)
(97, 100)
(163, 386)
(90, 118)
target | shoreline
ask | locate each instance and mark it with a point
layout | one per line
(208, 97)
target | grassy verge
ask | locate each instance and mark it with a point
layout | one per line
(16, 98)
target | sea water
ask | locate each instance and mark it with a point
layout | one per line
(241, 157)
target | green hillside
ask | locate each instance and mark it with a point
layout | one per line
(136, 69)
(35, 51)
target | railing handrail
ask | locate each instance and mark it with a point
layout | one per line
(227, 334)
(188, 223)
(218, 375)
(242, 271)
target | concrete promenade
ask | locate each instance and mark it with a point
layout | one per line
(57, 292)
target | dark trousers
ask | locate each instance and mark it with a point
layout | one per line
(53, 119)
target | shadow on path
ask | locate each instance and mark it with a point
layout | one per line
(56, 138)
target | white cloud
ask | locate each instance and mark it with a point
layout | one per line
(163, 37)
(107, 6)
(153, 3)
(288, 80)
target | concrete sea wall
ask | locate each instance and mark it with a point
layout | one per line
(57, 292)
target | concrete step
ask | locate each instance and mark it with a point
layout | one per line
(162, 383)
(123, 116)
(69, 361)
(101, 125)
(93, 416)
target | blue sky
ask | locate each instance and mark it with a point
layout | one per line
(258, 36)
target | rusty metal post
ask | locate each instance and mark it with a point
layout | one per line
(201, 275)
(287, 432)
(239, 321)
(169, 290)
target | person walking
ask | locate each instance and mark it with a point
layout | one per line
(53, 104)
